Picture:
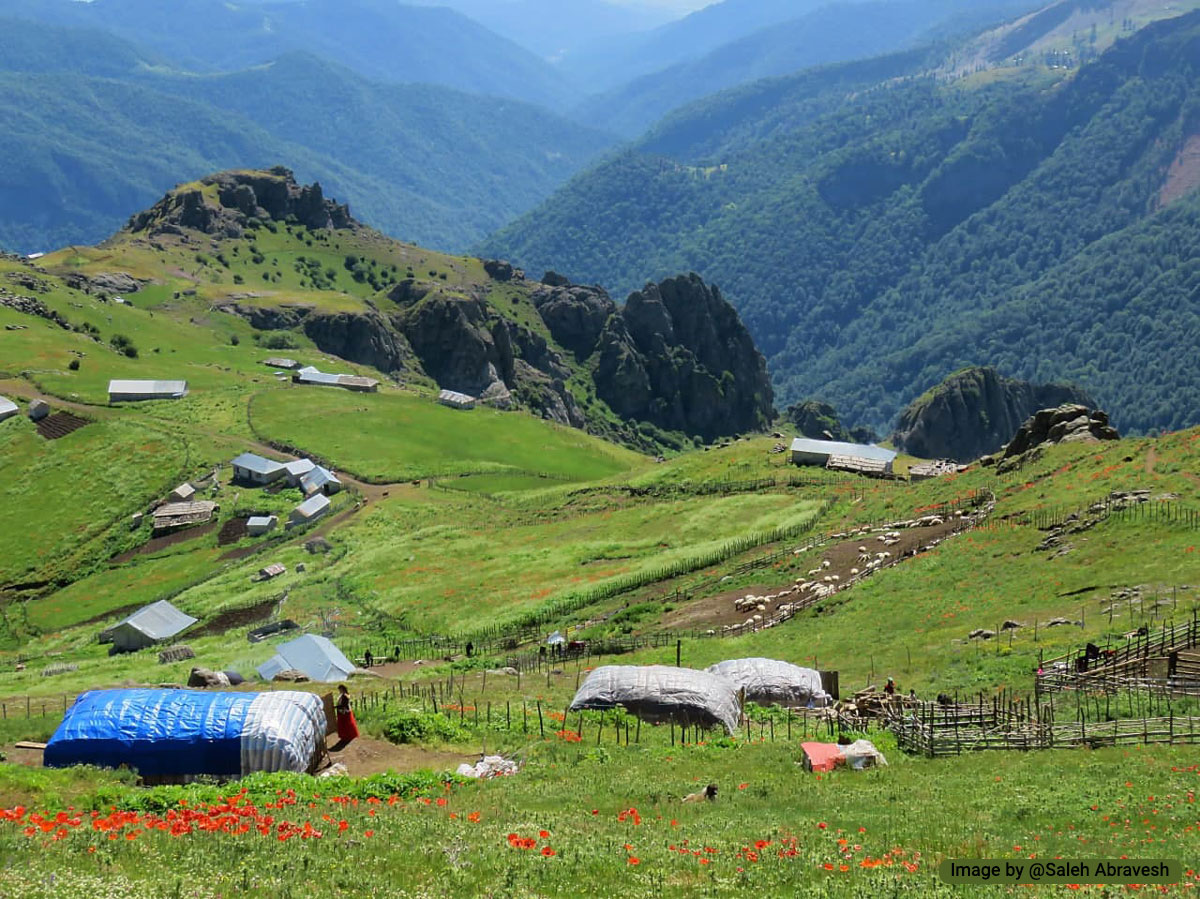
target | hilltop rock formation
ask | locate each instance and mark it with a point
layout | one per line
(1069, 423)
(678, 356)
(575, 315)
(223, 204)
(975, 412)
(819, 421)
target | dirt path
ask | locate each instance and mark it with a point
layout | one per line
(367, 755)
(1151, 460)
(843, 558)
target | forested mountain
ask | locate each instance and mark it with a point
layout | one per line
(381, 40)
(95, 129)
(833, 33)
(605, 65)
(876, 240)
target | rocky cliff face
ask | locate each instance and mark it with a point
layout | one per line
(819, 421)
(362, 337)
(222, 204)
(1068, 423)
(975, 412)
(678, 356)
(574, 314)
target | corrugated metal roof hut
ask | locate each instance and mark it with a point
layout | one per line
(806, 451)
(660, 693)
(320, 480)
(874, 468)
(39, 409)
(250, 468)
(309, 510)
(7, 408)
(772, 682)
(155, 623)
(120, 391)
(183, 493)
(456, 400)
(298, 469)
(177, 735)
(261, 524)
(316, 656)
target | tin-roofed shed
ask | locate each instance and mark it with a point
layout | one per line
(309, 510)
(147, 626)
(320, 480)
(120, 391)
(250, 468)
(818, 452)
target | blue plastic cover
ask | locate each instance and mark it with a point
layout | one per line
(160, 733)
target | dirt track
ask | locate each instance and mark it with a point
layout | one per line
(843, 557)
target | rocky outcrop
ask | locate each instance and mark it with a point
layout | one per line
(975, 412)
(362, 337)
(498, 270)
(678, 356)
(1069, 423)
(268, 318)
(224, 204)
(575, 315)
(464, 344)
(817, 420)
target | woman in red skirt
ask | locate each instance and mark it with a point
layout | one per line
(347, 729)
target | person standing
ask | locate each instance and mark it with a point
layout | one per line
(347, 728)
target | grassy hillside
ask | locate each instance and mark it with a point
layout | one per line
(98, 129)
(848, 224)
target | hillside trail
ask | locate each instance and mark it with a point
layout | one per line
(1151, 460)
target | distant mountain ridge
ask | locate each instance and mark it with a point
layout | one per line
(380, 40)
(94, 134)
(878, 231)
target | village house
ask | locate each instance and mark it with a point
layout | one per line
(147, 626)
(137, 391)
(820, 452)
(312, 376)
(278, 362)
(297, 470)
(310, 510)
(183, 493)
(249, 468)
(456, 400)
(320, 480)
(173, 516)
(258, 525)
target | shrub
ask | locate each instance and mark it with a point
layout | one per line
(73, 365)
(234, 340)
(123, 344)
(410, 726)
(278, 342)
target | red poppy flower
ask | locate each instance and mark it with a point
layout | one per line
(368, 833)
(634, 860)
(543, 834)
(548, 852)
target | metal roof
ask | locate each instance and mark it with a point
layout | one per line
(315, 656)
(155, 388)
(318, 478)
(356, 381)
(453, 396)
(836, 448)
(7, 408)
(278, 362)
(261, 521)
(158, 621)
(314, 505)
(311, 376)
(300, 467)
(257, 464)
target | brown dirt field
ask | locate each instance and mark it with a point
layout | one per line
(31, 758)
(367, 755)
(60, 425)
(718, 611)
(238, 618)
(396, 670)
(232, 531)
(156, 544)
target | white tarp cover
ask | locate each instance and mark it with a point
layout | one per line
(316, 656)
(772, 682)
(658, 692)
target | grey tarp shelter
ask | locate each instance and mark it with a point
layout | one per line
(659, 693)
(147, 626)
(314, 655)
(7, 408)
(772, 682)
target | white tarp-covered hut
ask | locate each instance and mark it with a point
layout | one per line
(313, 655)
(124, 391)
(771, 682)
(178, 735)
(155, 623)
(7, 408)
(658, 693)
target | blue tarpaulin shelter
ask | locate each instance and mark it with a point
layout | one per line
(186, 733)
